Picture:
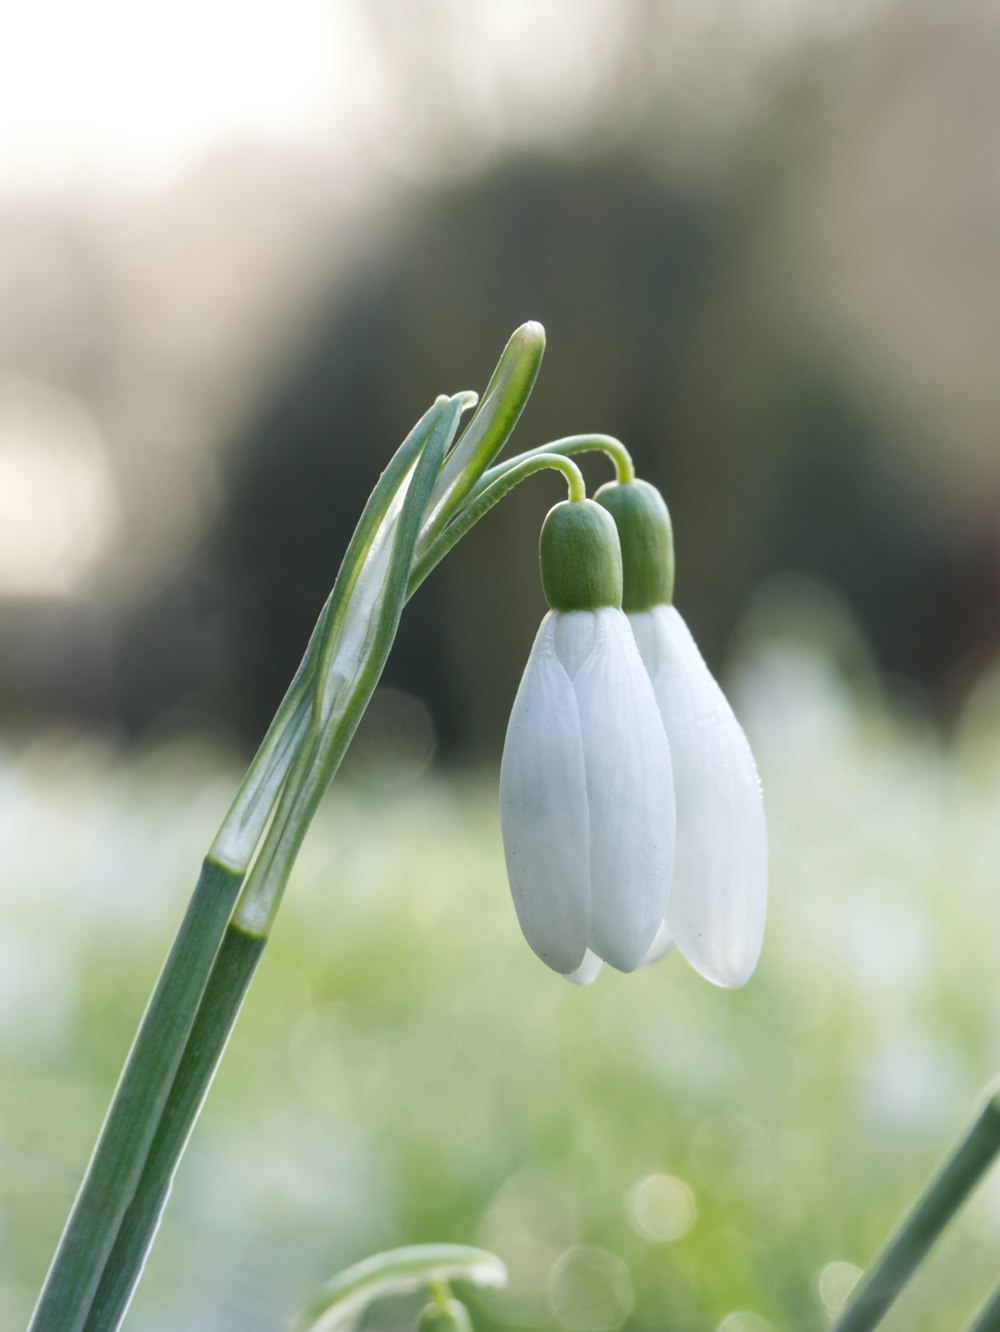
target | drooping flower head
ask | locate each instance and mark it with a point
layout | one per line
(718, 901)
(586, 793)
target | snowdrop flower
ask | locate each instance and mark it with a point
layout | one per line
(718, 900)
(586, 794)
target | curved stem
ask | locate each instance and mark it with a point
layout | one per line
(575, 483)
(570, 446)
(483, 499)
(614, 448)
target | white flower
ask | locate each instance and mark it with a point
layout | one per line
(586, 797)
(718, 901)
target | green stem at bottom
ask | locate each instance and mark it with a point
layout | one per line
(900, 1258)
(220, 1006)
(142, 1092)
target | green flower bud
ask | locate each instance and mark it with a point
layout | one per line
(580, 557)
(647, 542)
(452, 1316)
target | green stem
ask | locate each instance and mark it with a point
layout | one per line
(483, 499)
(216, 1016)
(570, 446)
(942, 1198)
(138, 1103)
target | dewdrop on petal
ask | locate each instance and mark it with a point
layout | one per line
(718, 901)
(586, 793)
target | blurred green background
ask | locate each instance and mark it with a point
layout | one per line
(243, 248)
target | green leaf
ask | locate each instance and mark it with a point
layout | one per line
(242, 827)
(138, 1103)
(499, 411)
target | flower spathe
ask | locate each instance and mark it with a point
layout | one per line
(586, 797)
(718, 901)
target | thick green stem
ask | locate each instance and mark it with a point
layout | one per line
(900, 1258)
(570, 446)
(138, 1103)
(217, 1013)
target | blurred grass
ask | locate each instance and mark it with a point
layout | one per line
(648, 1153)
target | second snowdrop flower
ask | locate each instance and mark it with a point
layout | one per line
(586, 792)
(718, 901)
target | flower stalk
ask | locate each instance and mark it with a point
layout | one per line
(424, 492)
(138, 1103)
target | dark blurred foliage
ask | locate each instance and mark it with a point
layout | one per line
(775, 280)
(768, 458)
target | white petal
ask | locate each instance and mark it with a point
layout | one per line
(718, 903)
(630, 795)
(543, 810)
(645, 631)
(587, 971)
(660, 946)
(574, 635)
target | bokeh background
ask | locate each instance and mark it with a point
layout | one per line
(241, 249)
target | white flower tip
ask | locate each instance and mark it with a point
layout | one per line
(586, 797)
(728, 967)
(626, 952)
(660, 946)
(586, 972)
(730, 980)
